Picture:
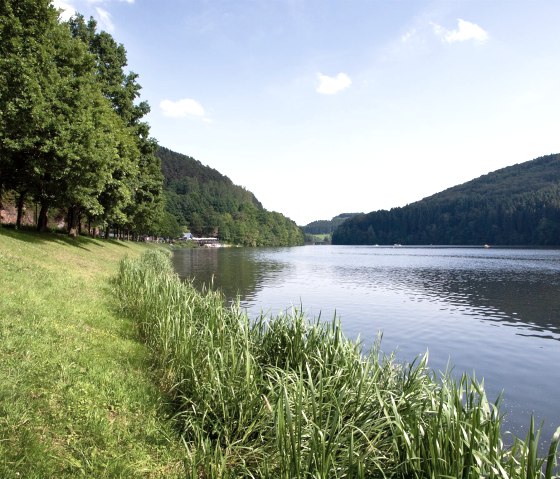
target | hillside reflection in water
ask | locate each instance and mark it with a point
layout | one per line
(493, 311)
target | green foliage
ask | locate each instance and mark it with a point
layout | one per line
(167, 226)
(72, 139)
(284, 397)
(517, 205)
(71, 135)
(210, 204)
(322, 227)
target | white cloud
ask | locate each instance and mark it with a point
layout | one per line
(466, 31)
(103, 17)
(408, 35)
(67, 9)
(105, 20)
(108, 1)
(331, 85)
(182, 108)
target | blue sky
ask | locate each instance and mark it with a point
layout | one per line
(325, 107)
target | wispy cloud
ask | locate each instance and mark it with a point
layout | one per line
(67, 9)
(183, 108)
(109, 1)
(466, 31)
(408, 35)
(105, 20)
(331, 85)
(87, 7)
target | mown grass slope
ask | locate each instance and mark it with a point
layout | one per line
(76, 395)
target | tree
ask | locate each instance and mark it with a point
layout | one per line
(77, 143)
(26, 68)
(70, 137)
(132, 201)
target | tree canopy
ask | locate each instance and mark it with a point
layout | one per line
(71, 135)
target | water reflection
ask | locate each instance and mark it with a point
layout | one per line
(235, 272)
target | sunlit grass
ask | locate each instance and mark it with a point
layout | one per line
(286, 397)
(76, 395)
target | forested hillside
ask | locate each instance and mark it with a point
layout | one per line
(327, 226)
(208, 203)
(517, 205)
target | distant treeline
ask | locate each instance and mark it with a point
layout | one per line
(71, 131)
(210, 204)
(517, 205)
(321, 227)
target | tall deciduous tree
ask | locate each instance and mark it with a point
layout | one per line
(26, 52)
(136, 201)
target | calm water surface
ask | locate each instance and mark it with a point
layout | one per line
(495, 312)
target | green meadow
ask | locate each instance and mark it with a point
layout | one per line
(77, 396)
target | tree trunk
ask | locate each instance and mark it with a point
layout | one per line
(73, 217)
(1, 204)
(20, 205)
(107, 232)
(43, 220)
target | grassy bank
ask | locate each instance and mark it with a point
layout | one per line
(82, 396)
(76, 397)
(288, 398)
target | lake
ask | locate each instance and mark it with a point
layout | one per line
(494, 312)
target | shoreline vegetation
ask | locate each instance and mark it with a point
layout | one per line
(289, 397)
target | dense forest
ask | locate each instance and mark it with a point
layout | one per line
(208, 203)
(517, 205)
(321, 227)
(72, 137)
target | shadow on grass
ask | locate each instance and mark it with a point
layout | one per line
(30, 235)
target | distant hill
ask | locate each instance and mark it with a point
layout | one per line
(517, 205)
(209, 203)
(326, 226)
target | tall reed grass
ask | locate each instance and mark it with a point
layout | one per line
(287, 397)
